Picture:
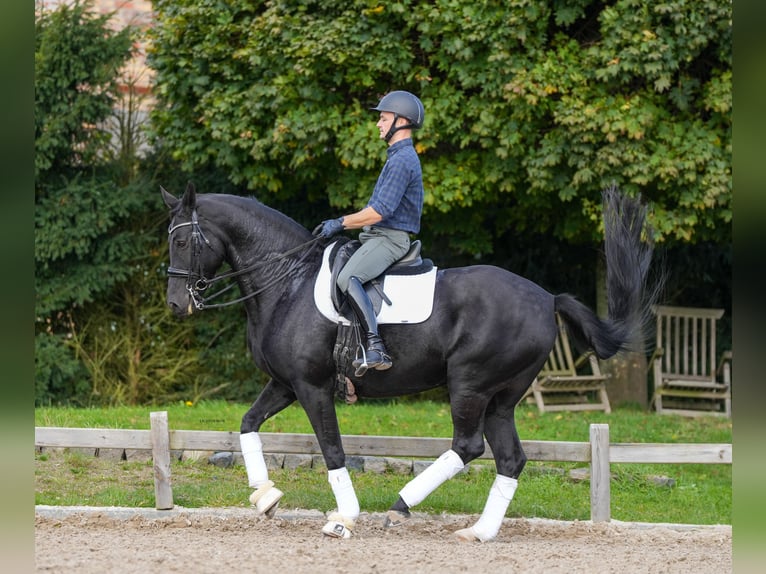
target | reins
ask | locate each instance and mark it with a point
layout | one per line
(196, 282)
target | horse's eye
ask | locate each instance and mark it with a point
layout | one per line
(181, 243)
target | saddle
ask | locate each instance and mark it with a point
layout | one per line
(410, 264)
(410, 301)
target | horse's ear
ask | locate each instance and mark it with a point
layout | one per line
(189, 200)
(170, 200)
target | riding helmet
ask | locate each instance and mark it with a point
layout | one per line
(403, 104)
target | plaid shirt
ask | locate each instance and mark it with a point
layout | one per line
(398, 193)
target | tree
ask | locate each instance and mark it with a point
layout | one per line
(77, 59)
(531, 107)
(86, 238)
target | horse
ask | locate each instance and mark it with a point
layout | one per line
(487, 337)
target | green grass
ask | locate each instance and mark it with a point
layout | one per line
(701, 494)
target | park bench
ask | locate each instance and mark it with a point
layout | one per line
(689, 377)
(566, 383)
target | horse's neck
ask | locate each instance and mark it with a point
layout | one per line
(260, 241)
(260, 234)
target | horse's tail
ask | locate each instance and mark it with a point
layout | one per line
(627, 268)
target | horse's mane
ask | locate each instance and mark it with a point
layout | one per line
(252, 213)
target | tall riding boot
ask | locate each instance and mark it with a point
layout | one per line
(376, 356)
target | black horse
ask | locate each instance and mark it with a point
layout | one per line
(488, 336)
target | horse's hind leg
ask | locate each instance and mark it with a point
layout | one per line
(274, 398)
(503, 439)
(467, 444)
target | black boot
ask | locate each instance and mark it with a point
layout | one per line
(376, 356)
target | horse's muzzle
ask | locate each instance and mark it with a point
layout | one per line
(183, 308)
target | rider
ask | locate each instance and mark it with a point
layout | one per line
(392, 213)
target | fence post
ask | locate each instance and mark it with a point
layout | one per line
(599, 473)
(163, 492)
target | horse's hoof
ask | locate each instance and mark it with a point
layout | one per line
(338, 526)
(395, 518)
(272, 511)
(266, 499)
(467, 535)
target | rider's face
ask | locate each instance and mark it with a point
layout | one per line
(384, 123)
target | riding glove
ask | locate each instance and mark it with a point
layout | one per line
(328, 228)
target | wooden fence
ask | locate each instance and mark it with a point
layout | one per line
(599, 452)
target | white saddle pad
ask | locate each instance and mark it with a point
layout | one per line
(412, 296)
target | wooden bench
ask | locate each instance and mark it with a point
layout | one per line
(569, 384)
(689, 379)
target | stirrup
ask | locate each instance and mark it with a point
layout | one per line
(371, 359)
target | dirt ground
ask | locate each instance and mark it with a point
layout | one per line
(216, 541)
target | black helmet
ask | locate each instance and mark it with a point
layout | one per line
(402, 104)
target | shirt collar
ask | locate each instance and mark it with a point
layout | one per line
(392, 149)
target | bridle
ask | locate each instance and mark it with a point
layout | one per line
(197, 283)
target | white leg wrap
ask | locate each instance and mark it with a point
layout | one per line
(488, 525)
(443, 468)
(252, 453)
(343, 489)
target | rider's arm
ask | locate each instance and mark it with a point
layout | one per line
(366, 216)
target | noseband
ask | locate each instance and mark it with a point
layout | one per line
(197, 283)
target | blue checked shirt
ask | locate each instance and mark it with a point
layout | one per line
(398, 193)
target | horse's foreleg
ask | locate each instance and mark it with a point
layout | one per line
(320, 409)
(266, 496)
(272, 399)
(341, 523)
(510, 460)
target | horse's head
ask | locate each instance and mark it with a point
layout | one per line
(195, 253)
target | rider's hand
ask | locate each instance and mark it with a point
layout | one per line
(328, 228)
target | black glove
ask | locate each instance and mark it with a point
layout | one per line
(328, 228)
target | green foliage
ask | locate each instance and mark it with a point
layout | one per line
(93, 225)
(57, 372)
(84, 244)
(86, 252)
(133, 349)
(531, 107)
(77, 58)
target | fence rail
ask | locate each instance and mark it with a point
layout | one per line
(598, 451)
